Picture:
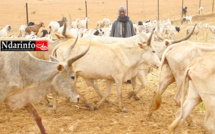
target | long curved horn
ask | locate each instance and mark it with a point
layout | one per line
(73, 59)
(64, 29)
(185, 38)
(66, 54)
(150, 38)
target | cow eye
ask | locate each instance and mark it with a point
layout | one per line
(153, 51)
(73, 77)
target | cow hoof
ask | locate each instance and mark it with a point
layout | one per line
(193, 125)
(95, 108)
(87, 105)
(136, 98)
(50, 106)
(107, 101)
(125, 111)
(130, 94)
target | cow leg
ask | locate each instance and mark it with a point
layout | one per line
(48, 102)
(119, 92)
(178, 97)
(20, 34)
(94, 84)
(54, 101)
(165, 81)
(192, 100)
(30, 108)
(141, 77)
(109, 84)
(210, 115)
(133, 83)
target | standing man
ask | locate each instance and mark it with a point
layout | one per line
(122, 26)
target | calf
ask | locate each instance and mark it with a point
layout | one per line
(34, 28)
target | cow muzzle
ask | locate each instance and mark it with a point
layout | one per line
(75, 99)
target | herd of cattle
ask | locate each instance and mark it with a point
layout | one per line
(92, 55)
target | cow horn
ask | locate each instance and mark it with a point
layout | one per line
(150, 38)
(66, 54)
(185, 38)
(73, 59)
(64, 29)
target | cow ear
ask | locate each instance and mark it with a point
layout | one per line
(60, 67)
(53, 59)
(142, 45)
(167, 43)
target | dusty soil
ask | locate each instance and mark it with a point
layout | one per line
(74, 118)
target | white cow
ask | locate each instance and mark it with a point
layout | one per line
(132, 41)
(199, 80)
(117, 63)
(25, 80)
(174, 62)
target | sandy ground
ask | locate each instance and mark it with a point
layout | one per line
(108, 118)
